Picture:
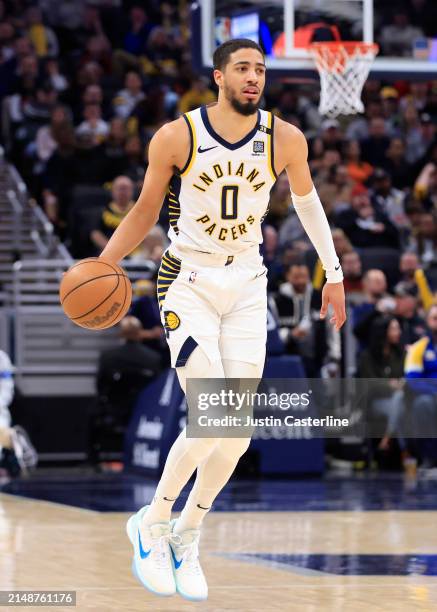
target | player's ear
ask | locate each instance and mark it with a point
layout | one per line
(218, 78)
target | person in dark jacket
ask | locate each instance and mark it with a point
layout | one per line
(365, 226)
(123, 371)
(296, 307)
(384, 361)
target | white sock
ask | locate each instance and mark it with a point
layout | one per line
(186, 453)
(212, 476)
(216, 470)
(184, 456)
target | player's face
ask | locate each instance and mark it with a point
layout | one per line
(243, 80)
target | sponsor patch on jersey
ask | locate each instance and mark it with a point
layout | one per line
(172, 321)
(258, 146)
(192, 277)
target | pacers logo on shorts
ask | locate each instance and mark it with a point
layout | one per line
(172, 321)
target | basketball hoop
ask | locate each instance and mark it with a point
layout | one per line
(343, 69)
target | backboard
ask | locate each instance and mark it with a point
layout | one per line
(281, 27)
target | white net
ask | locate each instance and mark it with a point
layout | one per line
(343, 69)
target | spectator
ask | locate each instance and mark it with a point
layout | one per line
(145, 308)
(280, 202)
(396, 164)
(397, 38)
(54, 76)
(269, 251)
(66, 15)
(418, 96)
(413, 134)
(150, 113)
(383, 363)
(342, 243)
(374, 147)
(199, 94)
(375, 289)
(98, 49)
(10, 69)
(114, 213)
(414, 281)
(152, 247)
(123, 371)
(133, 331)
(114, 148)
(27, 77)
(90, 73)
(331, 135)
(425, 242)
(301, 329)
(136, 160)
(90, 26)
(127, 98)
(60, 176)
(427, 137)
(36, 112)
(353, 274)
(390, 202)
(358, 129)
(7, 33)
(426, 187)
(93, 126)
(292, 235)
(330, 158)
(298, 109)
(46, 137)
(92, 94)
(316, 151)
(337, 190)
(162, 53)
(412, 325)
(421, 376)
(391, 107)
(365, 226)
(408, 264)
(136, 38)
(358, 170)
(43, 38)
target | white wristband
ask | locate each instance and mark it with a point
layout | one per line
(310, 211)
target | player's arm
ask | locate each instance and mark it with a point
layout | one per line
(293, 156)
(166, 151)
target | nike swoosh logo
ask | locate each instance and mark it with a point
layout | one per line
(143, 553)
(177, 563)
(260, 274)
(200, 150)
(167, 499)
(338, 267)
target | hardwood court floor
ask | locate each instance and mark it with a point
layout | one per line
(50, 546)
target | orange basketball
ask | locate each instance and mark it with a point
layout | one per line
(95, 294)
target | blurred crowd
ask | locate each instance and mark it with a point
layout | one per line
(84, 85)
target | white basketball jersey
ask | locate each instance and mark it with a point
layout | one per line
(218, 200)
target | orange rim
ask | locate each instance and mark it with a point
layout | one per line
(331, 52)
(350, 47)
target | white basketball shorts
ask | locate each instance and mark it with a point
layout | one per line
(217, 302)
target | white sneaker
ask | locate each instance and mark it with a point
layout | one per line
(151, 564)
(190, 579)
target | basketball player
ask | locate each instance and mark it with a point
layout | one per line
(215, 166)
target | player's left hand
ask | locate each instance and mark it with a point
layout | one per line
(333, 293)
